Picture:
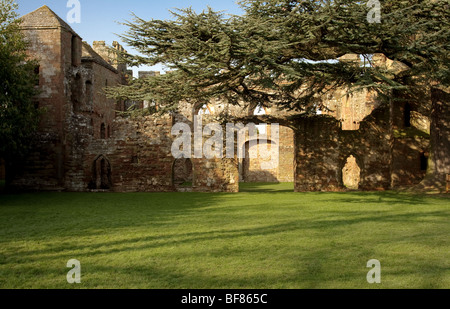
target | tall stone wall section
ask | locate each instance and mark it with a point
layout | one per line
(322, 150)
(83, 146)
(138, 153)
(44, 167)
(441, 129)
(411, 148)
(90, 122)
(140, 160)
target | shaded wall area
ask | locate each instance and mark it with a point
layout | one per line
(323, 149)
(137, 158)
(382, 159)
(440, 129)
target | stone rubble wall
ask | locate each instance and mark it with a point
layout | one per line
(84, 144)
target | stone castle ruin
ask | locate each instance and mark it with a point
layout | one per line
(85, 143)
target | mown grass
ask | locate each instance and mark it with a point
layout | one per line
(268, 239)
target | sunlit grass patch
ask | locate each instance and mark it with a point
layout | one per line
(267, 238)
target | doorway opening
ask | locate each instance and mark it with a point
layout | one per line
(101, 174)
(351, 174)
(183, 174)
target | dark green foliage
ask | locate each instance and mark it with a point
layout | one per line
(18, 115)
(285, 52)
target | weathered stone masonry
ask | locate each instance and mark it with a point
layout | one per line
(85, 145)
(323, 149)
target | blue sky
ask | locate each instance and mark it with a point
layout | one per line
(99, 17)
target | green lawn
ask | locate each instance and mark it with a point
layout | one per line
(268, 239)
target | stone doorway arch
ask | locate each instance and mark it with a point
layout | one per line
(101, 174)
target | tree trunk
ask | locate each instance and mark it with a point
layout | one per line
(435, 181)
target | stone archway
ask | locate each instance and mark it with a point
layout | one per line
(101, 174)
(252, 165)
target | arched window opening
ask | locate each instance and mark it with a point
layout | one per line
(76, 93)
(205, 110)
(351, 174)
(261, 128)
(424, 161)
(92, 127)
(89, 93)
(102, 131)
(407, 115)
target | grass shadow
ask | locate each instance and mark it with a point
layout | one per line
(283, 187)
(201, 240)
(384, 197)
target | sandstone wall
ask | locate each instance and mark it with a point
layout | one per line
(140, 160)
(323, 148)
(138, 153)
(411, 145)
(44, 167)
(83, 146)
